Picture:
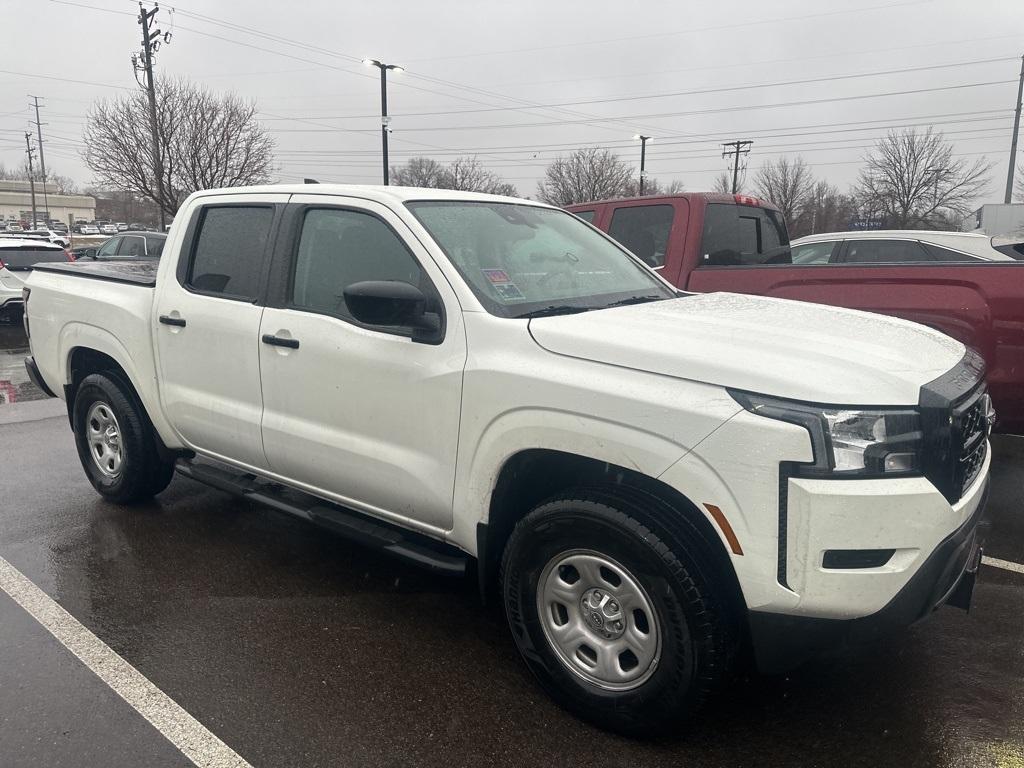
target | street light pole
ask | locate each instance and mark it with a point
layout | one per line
(384, 119)
(643, 159)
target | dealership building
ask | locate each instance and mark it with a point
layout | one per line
(16, 203)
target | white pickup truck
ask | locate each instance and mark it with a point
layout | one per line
(652, 480)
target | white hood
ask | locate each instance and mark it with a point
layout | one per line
(772, 346)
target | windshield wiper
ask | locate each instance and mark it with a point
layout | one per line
(633, 300)
(561, 309)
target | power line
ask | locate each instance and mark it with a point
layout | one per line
(717, 110)
(692, 30)
(698, 92)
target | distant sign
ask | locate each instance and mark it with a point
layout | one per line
(865, 223)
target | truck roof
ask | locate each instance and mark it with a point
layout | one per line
(375, 192)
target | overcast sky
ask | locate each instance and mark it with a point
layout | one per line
(518, 82)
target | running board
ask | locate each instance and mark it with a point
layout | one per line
(410, 546)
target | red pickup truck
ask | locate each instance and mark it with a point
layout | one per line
(714, 242)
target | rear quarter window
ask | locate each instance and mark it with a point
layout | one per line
(743, 235)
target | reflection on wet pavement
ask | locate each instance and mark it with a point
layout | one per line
(15, 386)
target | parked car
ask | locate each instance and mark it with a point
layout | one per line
(108, 228)
(132, 245)
(711, 242)
(648, 480)
(121, 226)
(13, 226)
(1010, 246)
(895, 246)
(88, 229)
(17, 257)
(52, 236)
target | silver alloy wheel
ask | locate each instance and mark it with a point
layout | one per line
(103, 434)
(599, 620)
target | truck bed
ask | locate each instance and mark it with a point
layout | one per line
(141, 273)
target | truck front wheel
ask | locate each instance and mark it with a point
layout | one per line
(618, 619)
(115, 442)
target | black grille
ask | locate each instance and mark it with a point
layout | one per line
(971, 426)
(954, 420)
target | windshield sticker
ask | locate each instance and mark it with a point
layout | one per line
(508, 292)
(496, 276)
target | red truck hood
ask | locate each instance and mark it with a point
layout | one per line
(776, 347)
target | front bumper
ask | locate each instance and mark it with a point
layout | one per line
(783, 641)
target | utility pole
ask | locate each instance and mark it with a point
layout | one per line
(736, 148)
(1013, 142)
(31, 175)
(643, 159)
(42, 159)
(150, 44)
(384, 119)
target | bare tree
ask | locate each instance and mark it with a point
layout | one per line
(418, 172)
(787, 183)
(464, 173)
(912, 181)
(65, 184)
(468, 175)
(825, 209)
(723, 183)
(585, 175)
(654, 187)
(206, 141)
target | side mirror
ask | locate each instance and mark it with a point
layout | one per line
(393, 303)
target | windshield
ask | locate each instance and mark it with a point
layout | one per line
(522, 260)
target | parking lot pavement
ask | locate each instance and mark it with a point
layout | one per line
(300, 649)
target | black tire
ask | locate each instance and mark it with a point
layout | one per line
(696, 625)
(142, 473)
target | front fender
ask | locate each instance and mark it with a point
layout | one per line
(537, 428)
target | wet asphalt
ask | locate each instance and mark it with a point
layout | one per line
(297, 648)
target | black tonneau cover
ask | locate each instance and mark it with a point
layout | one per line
(142, 272)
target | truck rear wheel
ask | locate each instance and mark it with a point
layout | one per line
(619, 620)
(116, 443)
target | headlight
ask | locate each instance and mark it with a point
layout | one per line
(848, 441)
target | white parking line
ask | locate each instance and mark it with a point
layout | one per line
(1006, 565)
(176, 725)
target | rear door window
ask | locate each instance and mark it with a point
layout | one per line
(21, 258)
(743, 235)
(644, 230)
(132, 247)
(587, 216)
(228, 255)
(884, 252)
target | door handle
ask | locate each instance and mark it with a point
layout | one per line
(178, 322)
(277, 341)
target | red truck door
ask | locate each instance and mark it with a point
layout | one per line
(654, 229)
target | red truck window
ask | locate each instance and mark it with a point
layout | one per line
(587, 216)
(743, 235)
(644, 230)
